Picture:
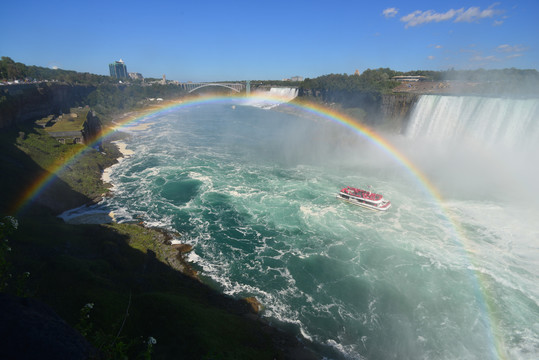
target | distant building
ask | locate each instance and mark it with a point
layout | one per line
(296, 78)
(136, 76)
(164, 81)
(118, 70)
(357, 72)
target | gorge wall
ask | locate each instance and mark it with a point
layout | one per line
(92, 127)
(23, 102)
(395, 110)
(387, 111)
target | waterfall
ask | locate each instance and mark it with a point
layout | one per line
(275, 96)
(284, 93)
(494, 122)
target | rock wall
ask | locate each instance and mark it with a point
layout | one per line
(387, 111)
(395, 109)
(92, 128)
(24, 102)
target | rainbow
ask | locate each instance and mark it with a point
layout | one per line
(41, 183)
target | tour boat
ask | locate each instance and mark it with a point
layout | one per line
(364, 198)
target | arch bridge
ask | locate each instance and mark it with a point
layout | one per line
(190, 87)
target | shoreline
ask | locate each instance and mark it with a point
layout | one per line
(119, 120)
(122, 148)
(169, 242)
(174, 252)
(294, 346)
(92, 213)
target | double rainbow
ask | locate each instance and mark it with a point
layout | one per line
(41, 183)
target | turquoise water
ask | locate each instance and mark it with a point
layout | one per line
(254, 192)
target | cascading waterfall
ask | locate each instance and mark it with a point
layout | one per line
(276, 95)
(285, 93)
(477, 146)
(505, 122)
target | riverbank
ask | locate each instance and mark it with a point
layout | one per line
(167, 248)
(120, 121)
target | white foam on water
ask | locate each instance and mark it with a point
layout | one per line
(277, 232)
(84, 214)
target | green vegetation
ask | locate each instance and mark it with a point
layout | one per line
(104, 94)
(11, 70)
(34, 150)
(371, 81)
(358, 96)
(76, 265)
(69, 122)
(109, 100)
(379, 81)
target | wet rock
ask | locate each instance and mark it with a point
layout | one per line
(182, 248)
(254, 305)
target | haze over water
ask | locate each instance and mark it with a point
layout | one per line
(253, 190)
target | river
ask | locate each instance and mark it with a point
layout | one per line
(252, 189)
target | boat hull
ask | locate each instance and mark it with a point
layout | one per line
(359, 202)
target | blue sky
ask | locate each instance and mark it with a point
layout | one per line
(270, 39)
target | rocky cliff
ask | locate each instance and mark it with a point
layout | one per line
(387, 111)
(23, 102)
(396, 108)
(92, 128)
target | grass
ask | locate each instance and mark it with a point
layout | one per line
(74, 265)
(73, 121)
(29, 153)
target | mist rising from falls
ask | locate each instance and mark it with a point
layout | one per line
(478, 145)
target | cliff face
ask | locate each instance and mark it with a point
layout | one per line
(92, 127)
(23, 102)
(396, 108)
(387, 111)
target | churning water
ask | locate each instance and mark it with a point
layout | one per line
(253, 191)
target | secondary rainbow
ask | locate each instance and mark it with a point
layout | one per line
(41, 183)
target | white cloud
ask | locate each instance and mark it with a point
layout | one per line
(430, 57)
(438, 46)
(490, 58)
(497, 22)
(510, 48)
(514, 56)
(419, 17)
(390, 12)
(471, 14)
(474, 13)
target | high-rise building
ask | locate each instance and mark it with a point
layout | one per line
(118, 69)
